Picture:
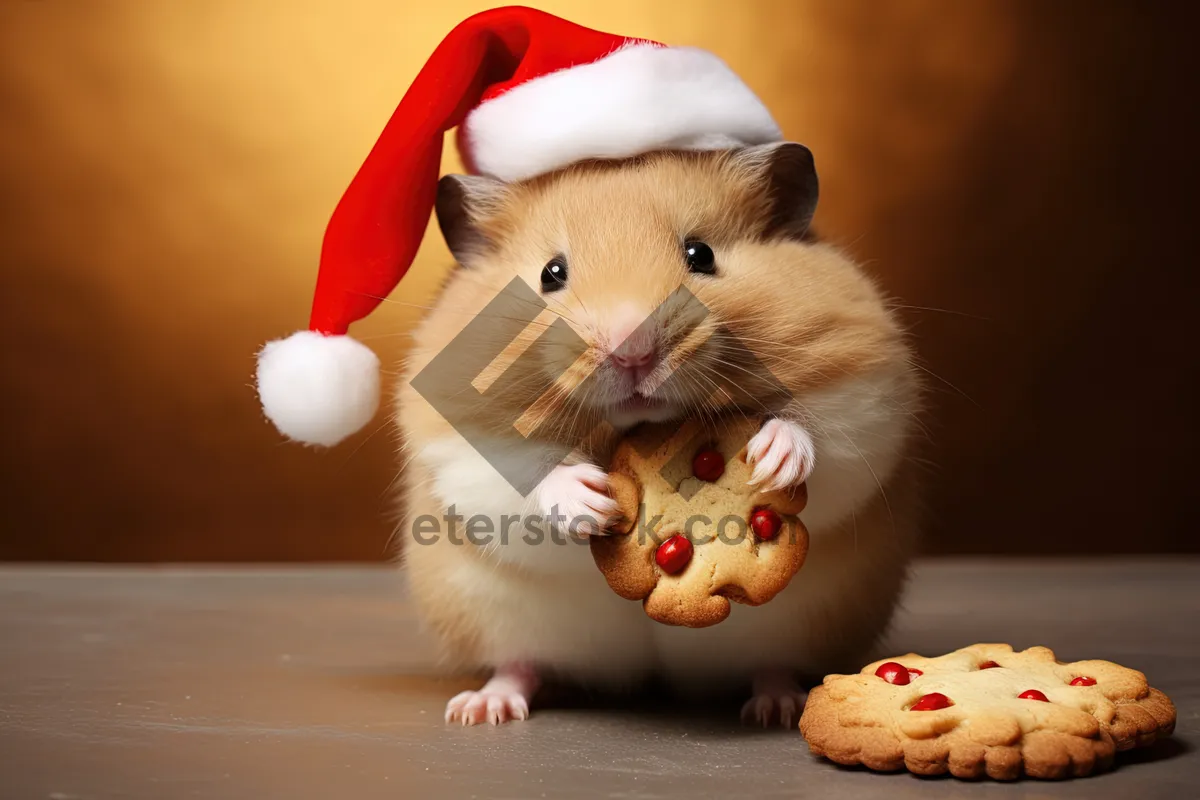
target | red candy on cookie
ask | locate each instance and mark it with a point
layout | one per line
(765, 523)
(1033, 694)
(893, 673)
(708, 465)
(934, 701)
(913, 672)
(988, 665)
(1083, 680)
(674, 554)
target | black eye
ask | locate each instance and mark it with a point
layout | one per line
(700, 258)
(554, 275)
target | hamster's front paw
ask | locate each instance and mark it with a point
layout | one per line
(576, 499)
(782, 455)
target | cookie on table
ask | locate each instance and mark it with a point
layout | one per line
(985, 710)
(743, 545)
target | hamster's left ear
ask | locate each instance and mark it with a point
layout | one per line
(463, 205)
(789, 176)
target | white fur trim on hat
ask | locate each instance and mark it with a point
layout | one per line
(638, 99)
(318, 389)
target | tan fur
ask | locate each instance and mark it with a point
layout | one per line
(808, 313)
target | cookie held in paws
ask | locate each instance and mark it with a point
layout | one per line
(988, 711)
(695, 535)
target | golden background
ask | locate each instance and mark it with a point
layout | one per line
(167, 169)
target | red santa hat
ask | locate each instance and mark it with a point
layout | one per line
(529, 93)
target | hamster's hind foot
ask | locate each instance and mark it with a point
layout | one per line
(505, 697)
(777, 699)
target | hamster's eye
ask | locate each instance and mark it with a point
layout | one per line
(699, 257)
(554, 275)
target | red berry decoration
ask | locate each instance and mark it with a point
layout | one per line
(934, 701)
(708, 465)
(988, 665)
(914, 673)
(765, 523)
(1083, 680)
(1033, 694)
(893, 673)
(674, 554)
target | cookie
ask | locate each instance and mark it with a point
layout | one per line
(695, 535)
(988, 711)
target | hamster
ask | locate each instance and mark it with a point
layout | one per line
(594, 339)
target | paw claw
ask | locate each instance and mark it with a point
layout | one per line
(497, 711)
(456, 704)
(787, 710)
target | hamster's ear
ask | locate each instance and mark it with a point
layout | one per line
(464, 202)
(789, 175)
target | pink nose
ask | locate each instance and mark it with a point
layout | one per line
(635, 345)
(636, 356)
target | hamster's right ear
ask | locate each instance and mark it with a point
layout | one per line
(463, 205)
(789, 175)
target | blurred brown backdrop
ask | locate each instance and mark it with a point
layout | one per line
(166, 171)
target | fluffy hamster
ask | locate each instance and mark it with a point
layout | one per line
(600, 252)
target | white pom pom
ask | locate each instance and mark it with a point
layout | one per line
(318, 389)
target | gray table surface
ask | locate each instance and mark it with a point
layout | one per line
(317, 683)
